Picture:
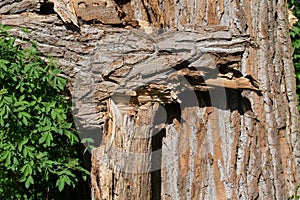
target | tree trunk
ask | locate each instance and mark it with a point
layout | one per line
(184, 99)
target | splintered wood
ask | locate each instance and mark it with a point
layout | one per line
(66, 10)
(103, 11)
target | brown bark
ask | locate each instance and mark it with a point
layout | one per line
(195, 99)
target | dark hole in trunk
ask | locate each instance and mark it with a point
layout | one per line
(46, 9)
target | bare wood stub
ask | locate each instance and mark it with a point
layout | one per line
(65, 9)
(103, 11)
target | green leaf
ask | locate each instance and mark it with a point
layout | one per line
(3, 64)
(23, 178)
(53, 114)
(22, 89)
(67, 179)
(46, 128)
(25, 151)
(29, 181)
(60, 183)
(20, 147)
(26, 114)
(26, 68)
(5, 27)
(46, 138)
(24, 141)
(43, 138)
(61, 82)
(67, 125)
(40, 155)
(27, 184)
(56, 71)
(25, 30)
(3, 91)
(1, 121)
(20, 115)
(24, 120)
(52, 104)
(89, 140)
(8, 159)
(4, 155)
(27, 169)
(35, 74)
(2, 111)
(8, 99)
(72, 137)
(15, 161)
(31, 148)
(68, 172)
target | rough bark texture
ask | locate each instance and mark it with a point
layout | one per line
(195, 99)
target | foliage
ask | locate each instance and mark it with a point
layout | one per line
(295, 36)
(38, 154)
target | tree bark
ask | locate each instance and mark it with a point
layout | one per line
(184, 99)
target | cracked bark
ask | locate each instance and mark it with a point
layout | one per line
(198, 103)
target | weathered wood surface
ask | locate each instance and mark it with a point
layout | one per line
(156, 88)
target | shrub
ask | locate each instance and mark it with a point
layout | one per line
(38, 156)
(295, 36)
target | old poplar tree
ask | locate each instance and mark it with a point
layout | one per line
(185, 99)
